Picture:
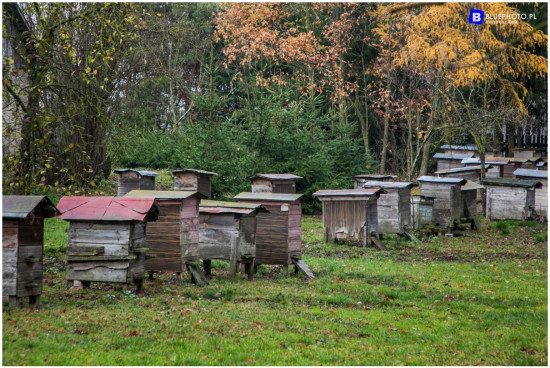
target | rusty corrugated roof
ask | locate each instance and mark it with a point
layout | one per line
(14, 206)
(107, 208)
(276, 176)
(366, 192)
(164, 194)
(272, 197)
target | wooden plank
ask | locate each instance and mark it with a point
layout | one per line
(98, 271)
(233, 258)
(378, 243)
(304, 268)
(9, 234)
(9, 271)
(85, 251)
(197, 275)
(97, 236)
(108, 249)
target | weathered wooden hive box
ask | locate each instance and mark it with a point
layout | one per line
(470, 192)
(130, 179)
(173, 239)
(361, 179)
(541, 194)
(471, 149)
(194, 180)
(446, 161)
(279, 232)
(394, 206)
(447, 206)
(497, 165)
(421, 211)
(510, 199)
(228, 232)
(23, 246)
(274, 183)
(472, 173)
(350, 213)
(107, 240)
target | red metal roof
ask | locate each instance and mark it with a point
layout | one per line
(106, 208)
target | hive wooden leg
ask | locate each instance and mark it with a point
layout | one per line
(207, 265)
(34, 301)
(249, 270)
(13, 301)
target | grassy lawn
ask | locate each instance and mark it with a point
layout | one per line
(478, 299)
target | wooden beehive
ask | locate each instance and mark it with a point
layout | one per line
(350, 213)
(421, 211)
(228, 232)
(520, 163)
(497, 165)
(470, 194)
(107, 241)
(446, 192)
(510, 199)
(446, 161)
(194, 180)
(23, 246)
(173, 239)
(541, 194)
(279, 232)
(394, 206)
(472, 173)
(130, 179)
(361, 179)
(274, 183)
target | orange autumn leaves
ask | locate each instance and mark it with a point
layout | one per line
(283, 42)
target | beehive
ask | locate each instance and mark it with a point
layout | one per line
(194, 180)
(447, 206)
(394, 206)
(130, 179)
(278, 232)
(274, 183)
(510, 199)
(228, 232)
(541, 194)
(350, 213)
(107, 241)
(173, 239)
(23, 246)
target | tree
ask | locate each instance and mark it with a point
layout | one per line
(72, 69)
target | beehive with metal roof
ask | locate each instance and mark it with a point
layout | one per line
(279, 232)
(394, 206)
(107, 241)
(446, 193)
(274, 183)
(23, 246)
(350, 213)
(510, 199)
(131, 179)
(361, 179)
(194, 180)
(227, 231)
(541, 194)
(172, 240)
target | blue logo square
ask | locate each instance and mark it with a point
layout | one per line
(476, 16)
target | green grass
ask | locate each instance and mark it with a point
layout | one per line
(478, 299)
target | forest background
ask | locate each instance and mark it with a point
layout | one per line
(322, 90)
